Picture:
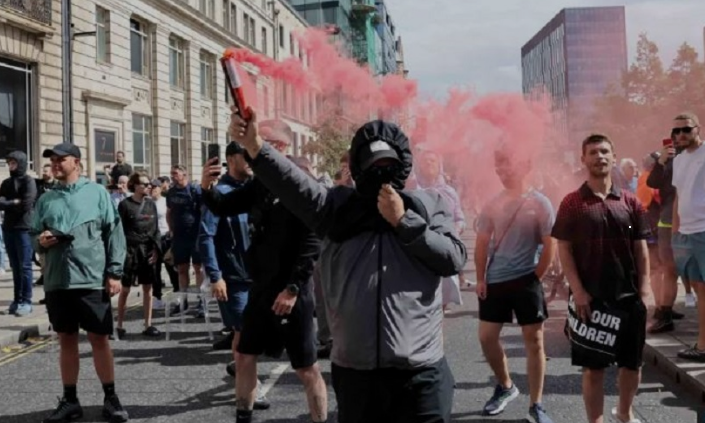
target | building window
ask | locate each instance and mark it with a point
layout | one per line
(178, 144)
(253, 33)
(141, 142)
(206, 138)
(177, 66)
(249, 30)
(207, 7)
(264, 40)
(102, 33)
(16, 107)
(226, 14)
(233, 18)
(292, 48)
(206, 75)
(139, 48)
(265, 100)
(281, 36)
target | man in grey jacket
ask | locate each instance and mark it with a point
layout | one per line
(384, 254)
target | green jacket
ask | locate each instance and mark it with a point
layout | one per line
(84, 211)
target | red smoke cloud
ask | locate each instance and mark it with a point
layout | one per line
(465, 129)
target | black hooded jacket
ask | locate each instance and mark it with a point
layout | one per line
(19, 186)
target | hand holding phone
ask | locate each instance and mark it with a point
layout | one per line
(667, 152)
(214, 153)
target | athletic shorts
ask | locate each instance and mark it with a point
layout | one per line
(394, 395)
(88, 309)
(630, 344)
(689, 255)
(137, 267)
(185, 250)
(521, 298)
(233, 309)
(265, 333)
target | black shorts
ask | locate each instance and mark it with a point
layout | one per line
(137, 267)
(265, 333)
(630, 344)
(88, 309)
(394, 395)
(522, 297)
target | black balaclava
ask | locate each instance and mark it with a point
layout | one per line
(21, 160)
(369, 181)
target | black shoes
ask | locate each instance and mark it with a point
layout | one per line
(65, 412)
(224, 344)
(113, 411)
(151, 332)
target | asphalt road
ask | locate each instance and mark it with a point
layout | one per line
(183, 380)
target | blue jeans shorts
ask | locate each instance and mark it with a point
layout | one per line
(232, 309)
(689, 255)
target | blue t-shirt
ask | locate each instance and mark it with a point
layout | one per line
(516, 256)
(185, 206)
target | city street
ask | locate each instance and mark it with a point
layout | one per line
(183, 380)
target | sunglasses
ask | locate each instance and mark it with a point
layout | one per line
(143, 184)
(685, 130)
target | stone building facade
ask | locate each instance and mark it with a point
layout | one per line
(148, 82)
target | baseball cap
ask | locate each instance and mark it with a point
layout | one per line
(376, 150)
(62, 150)
(234, 148)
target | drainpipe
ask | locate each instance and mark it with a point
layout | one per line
(66, 72)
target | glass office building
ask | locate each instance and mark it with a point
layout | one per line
(576, 57)
(387, 39)
(335, 13)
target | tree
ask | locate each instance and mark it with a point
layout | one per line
(638, 112)
(332, 137)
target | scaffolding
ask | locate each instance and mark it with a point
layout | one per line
(362, 23)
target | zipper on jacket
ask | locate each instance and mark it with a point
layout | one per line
(379, 301)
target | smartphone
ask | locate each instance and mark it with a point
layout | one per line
(232, 77)
(667, 142)
(214, 152)
(61, 236)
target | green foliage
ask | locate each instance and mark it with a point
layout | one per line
(332, 138)
(639, 112)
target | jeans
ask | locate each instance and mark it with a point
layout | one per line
(20, 252)
(2, 256)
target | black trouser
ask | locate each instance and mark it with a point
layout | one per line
(170, 270)
(423, 395)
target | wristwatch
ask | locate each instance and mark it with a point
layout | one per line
(292, 289)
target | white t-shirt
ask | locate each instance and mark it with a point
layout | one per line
(689, 180)
(161, 215)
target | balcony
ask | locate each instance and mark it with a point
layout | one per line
(33, 10)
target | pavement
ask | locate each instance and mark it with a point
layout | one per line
(184, 380)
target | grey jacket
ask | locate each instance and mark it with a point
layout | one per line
(381, 289)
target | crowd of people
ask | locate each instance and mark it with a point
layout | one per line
(374, 256)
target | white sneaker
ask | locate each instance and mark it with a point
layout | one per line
(158, 304)
(690, 300)
(614, 414)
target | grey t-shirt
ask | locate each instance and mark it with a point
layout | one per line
(516, 255)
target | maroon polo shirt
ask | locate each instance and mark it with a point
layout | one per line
(602, 235)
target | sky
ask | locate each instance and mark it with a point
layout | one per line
(477, 43)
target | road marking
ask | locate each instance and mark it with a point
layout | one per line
(274, 376)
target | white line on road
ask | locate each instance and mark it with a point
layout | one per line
(274, 376)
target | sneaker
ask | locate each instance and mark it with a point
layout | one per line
(500, 399)
(230, 368)
(178, 309)
(113, 411)
(121, 333)
(224, 344)
(261, 401)
(690, 300)
(614, 415)
(226, 331)
(662, 325)
(200, 309)
(692, 353)
(24, 309)
(158, 304)
(13, 307)
(537, 414)
(65, 412)
(152, 332)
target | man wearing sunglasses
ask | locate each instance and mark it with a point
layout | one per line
(689, 218)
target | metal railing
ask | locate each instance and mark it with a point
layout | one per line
(37, 10)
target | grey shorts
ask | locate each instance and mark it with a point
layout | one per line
(689, 255)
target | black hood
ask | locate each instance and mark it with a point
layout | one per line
(21, 160)
(392, 135)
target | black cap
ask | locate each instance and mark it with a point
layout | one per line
(376, 150)
(234, 148)
(62, 150)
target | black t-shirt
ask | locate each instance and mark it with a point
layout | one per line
(602, 235)
(139, 221)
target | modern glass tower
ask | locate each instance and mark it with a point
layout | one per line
(576, 57)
